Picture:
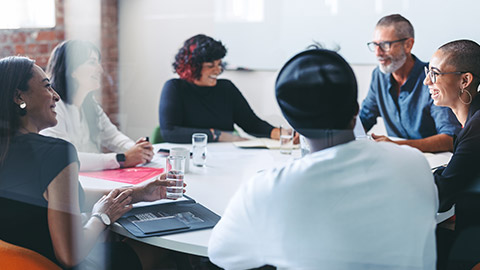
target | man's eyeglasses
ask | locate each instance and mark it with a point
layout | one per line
(432, 74)
(384, 45)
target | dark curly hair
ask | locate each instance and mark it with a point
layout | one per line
(196, 51)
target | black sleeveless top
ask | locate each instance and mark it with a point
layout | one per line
(32, 162)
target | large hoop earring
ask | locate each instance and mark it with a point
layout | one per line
(460, 93)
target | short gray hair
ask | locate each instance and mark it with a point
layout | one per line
(403, 27)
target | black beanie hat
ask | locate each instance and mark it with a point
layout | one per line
(317, 90)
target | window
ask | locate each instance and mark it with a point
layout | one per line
(15, 14)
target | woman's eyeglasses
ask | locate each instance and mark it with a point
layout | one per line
(432, 74)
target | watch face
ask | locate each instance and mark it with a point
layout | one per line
(121, 157)
(105, 219)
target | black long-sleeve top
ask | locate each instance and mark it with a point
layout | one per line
(464, 167)
(186, 108)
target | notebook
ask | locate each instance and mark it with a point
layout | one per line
(132, 176)
(168, 218)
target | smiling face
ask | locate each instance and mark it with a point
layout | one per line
(445, 90)
(89, 74)
(397, 55)
(40, 99)
(210, 71)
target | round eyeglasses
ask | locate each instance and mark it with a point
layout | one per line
(432, 74)
(384, 45)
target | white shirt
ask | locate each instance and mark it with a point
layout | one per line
(359, 205)
(73, 127)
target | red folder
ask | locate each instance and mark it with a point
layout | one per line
(126, 175)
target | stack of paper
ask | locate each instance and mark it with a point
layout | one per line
(261, 143)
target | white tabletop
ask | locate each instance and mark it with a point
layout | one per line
(213, 186)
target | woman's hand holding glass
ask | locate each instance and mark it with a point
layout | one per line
(154, 190)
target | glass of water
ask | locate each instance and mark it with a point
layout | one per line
(286, 139)
(175, 172)
(199, 144)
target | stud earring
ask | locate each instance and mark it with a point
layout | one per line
(23, 105)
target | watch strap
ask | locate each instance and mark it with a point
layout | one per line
(121, 159)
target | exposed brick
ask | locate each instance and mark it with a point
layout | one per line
(46, 35)
(3, 37)
(19, 37)
(7, 51)
(32, 50)
(20, 49)
(60, 35)
(60, 20)
(41, 61)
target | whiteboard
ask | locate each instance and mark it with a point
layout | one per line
(264, 34)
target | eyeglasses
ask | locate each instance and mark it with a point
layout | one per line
(384, 45)
(432, 74)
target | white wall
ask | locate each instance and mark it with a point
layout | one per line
(150, 34)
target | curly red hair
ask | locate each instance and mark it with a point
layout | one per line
(194, 52)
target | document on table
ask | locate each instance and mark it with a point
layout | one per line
(132, 176)
(261, 143)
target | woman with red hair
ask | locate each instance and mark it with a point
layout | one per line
(200, 102)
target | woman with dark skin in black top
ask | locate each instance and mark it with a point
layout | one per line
(453, 80)
(200, 102)
(40, 194)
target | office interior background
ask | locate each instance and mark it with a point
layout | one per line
(138, 40)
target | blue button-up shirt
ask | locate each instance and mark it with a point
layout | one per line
(411, 114)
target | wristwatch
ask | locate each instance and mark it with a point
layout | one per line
(103, 217)
(121, 159)
(216, 135)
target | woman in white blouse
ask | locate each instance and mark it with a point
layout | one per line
(75, 73)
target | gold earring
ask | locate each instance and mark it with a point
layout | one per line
(460, 93)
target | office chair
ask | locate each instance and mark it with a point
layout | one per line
(156, 135)
(16, 257)
(465, 252)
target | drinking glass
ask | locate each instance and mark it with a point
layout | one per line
(286, 139)
(175, 172)
(199, 145)
(183, 152)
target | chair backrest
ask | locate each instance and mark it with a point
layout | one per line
(15, 257)
(465, 252)
(156, 136)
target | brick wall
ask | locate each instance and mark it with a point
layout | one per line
(34, 43)
(109, 50)
(39, 43)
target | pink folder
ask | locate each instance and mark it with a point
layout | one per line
(126, 175)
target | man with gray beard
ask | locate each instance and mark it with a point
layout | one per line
(398, 95)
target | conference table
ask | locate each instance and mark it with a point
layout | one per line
(212, 186)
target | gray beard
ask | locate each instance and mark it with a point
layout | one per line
(395, 65)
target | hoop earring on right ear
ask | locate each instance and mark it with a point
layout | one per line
(23, 108)
(460, 93)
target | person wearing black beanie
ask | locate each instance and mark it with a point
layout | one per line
(338, 207)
